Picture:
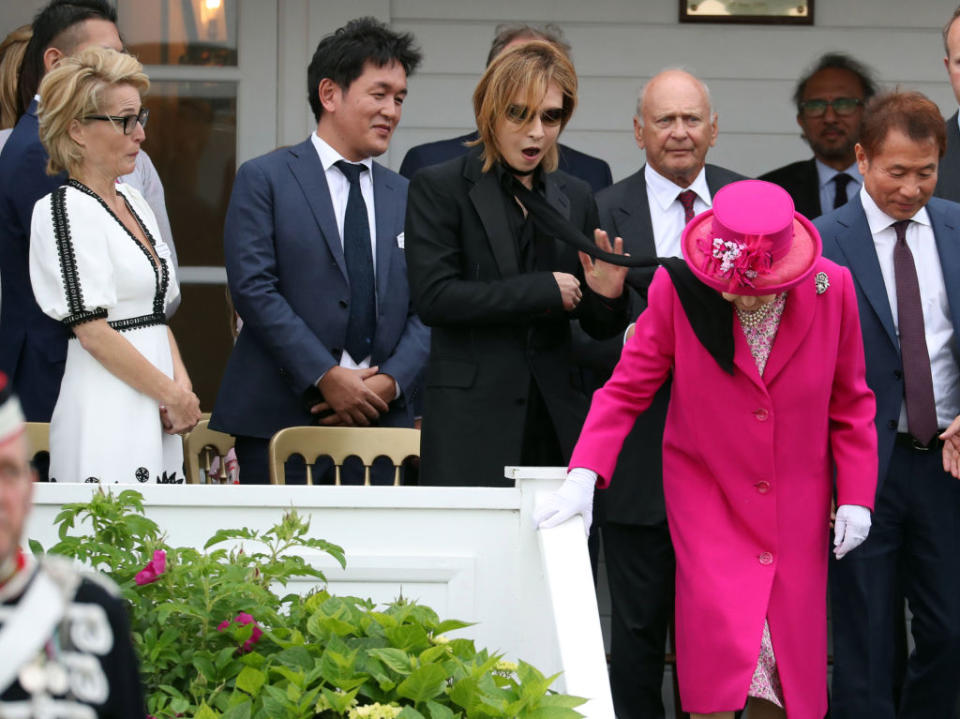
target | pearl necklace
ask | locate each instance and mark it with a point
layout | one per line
(751, 319)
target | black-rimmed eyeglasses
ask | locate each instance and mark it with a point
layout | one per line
(841, 106)
(127, 122)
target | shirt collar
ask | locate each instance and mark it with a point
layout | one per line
(665, 191)
(878, 220)
(329, 156)
(825, 173)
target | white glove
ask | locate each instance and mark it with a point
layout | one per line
(850, 528)
(575, 496)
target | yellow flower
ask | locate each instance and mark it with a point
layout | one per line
(505, 667)
(375, 711)
(440, 639)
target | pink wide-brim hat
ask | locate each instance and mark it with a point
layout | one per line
(752, 241)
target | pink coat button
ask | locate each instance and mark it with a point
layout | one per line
(761, 414)
(765, 558)
(762, 487)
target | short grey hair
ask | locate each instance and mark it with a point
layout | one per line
(643, 89)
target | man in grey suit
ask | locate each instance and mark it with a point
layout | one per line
(948, 179)
(675, 125)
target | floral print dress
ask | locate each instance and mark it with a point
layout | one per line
(760, 335)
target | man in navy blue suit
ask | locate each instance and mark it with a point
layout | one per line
(314, 252)
(33, 347)
(903, 250)
(592, 170)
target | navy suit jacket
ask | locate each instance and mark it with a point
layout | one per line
(635, 495)
(288, 279)
(591, 170)
(847, 241)
(33, 347)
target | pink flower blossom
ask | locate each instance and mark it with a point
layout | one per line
(155, 567)
(242, 619)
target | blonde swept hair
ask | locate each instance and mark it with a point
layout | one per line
(74, 89)
(12, 50)
(527, 70)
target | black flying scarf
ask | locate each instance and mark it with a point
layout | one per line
(710, 316)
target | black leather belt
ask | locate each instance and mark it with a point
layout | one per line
(908, 441)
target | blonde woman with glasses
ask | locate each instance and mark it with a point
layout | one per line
(99, 265)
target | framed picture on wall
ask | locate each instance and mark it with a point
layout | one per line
(767, 12)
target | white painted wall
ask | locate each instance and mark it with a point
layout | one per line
(617, 45)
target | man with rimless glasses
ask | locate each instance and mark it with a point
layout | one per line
(830, 98)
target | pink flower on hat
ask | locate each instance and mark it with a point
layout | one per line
(155, 567)
(739, 262)
(242, 619)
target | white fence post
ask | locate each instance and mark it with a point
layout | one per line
(565, 561)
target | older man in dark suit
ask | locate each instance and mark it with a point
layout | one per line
(676, 126)
(314, 251)
(829, 99)
(591, 170)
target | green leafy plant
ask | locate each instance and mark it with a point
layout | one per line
(216, 640)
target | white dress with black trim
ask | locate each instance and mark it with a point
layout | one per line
(85, 265)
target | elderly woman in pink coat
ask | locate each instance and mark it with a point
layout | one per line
(769, 404)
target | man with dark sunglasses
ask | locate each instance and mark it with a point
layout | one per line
(830, 98)
(590, 169)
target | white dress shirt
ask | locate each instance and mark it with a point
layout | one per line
(339, 193)
(828, 188)
(937, 320)
(666, 213)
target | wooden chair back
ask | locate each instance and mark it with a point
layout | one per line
(200, 446)
(338, 443)
(38, 436)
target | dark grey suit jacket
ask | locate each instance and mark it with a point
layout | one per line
(801, 180)
(635, 495)
(948, 176)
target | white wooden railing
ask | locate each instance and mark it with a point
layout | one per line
(470, 553)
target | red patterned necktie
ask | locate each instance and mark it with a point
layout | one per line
(917, 378)
(686, 199)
